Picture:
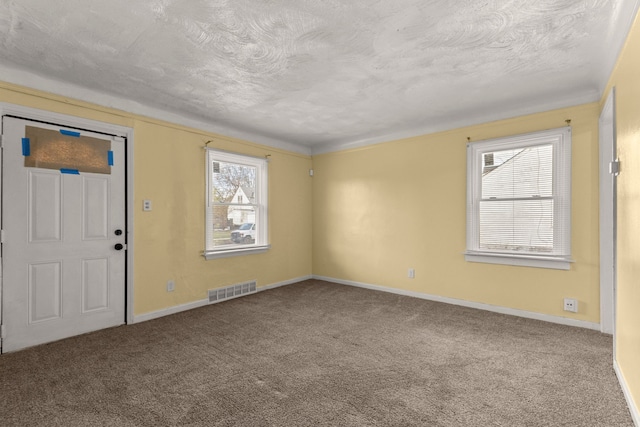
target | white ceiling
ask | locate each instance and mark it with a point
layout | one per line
(317, 75)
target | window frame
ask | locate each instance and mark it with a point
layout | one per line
(560, 140)
(261, 205)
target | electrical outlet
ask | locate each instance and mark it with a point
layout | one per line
(411, 273)
(146, 205)
(571, 304)
(171, 286)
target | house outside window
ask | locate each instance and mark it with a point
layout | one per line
(519, 200)
(236, 217)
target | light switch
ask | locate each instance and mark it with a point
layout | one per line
(146, 205)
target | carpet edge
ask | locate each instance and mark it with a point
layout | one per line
(470, 304)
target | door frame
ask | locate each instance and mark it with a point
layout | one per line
(608, 216)
(96, 126)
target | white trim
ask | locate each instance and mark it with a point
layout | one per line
(284, 283)
(235, 153)
(201, 303)
(34, 81)
(523, 261)
(94, 125)
(208, 255)
(453, 123)
(608, 188)
(170, 310)
(471, 304)
(63, 119)
(130, 225)
(631, 404)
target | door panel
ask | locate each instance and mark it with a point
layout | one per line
(95, 212)
(95, 284)
(61, 273)
(45, 201)
(45, 291)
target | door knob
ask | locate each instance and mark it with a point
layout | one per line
(118, 246)
(118, 232)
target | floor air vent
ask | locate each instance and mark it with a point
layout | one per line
(233, 291)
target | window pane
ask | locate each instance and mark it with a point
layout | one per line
(523, 225)
(239, 215)
(245, 233)
(234, 225)
(233, 183)
(221, 226)
(52, 150)
(525, 172)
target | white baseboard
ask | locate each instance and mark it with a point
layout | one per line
(471, 304)
(481, 306)
(195, 304)
(169, 310)
(286, 282)
(631, 404)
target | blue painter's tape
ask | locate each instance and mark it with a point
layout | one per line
(110, 157)
(70, 133)
(26, 147)
(70, 171)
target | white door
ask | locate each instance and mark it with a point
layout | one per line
(63, 219)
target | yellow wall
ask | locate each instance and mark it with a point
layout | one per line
(626, 79)
(169, 169)
(382, 209)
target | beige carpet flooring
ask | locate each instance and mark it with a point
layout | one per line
(319, 354)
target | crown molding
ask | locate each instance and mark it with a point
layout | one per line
(45, 84)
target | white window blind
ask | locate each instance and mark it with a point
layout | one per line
(519, 199)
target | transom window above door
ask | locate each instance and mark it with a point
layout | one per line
(66, 150)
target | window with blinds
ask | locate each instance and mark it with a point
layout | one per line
(519, 200)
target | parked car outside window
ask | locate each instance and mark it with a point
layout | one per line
(245, 234)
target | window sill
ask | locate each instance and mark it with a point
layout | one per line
(226, 253)
(552, 262)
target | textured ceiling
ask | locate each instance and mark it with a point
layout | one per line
(320, 73)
